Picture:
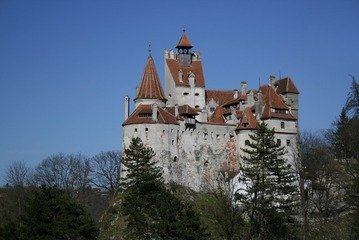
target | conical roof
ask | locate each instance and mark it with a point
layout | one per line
(184, 42)
(150, 87)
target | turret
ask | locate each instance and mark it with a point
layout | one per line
(184, 46)
(150, 90)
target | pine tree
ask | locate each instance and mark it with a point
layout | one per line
(50, 214)
(140, 186)
(269, 185)
(175, 219)
(151, 210)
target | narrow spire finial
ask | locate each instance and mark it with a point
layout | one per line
(149, 48)
(183, 28)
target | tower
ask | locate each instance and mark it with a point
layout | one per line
(185, 82)
(150, 90)
(184, 50)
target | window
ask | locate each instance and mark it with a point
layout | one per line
(246, 142)
(196, 94)
(185, 93)
(279, 110)
(173, 142)
(288, 142)
(135, 130)
(281, 124)
(175, 159)
(145, 115)
(146, 129)
(212, 109)
(279, 142)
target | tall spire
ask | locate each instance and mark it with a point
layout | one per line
(150, 87)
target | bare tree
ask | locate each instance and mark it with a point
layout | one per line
(225, 214)
(320, 177)
(106, 170)
(68, 172)
(18, 174)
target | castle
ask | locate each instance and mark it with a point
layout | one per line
(198, 133)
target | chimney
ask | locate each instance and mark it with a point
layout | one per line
(243, 87)
(272, 80)
(235, 95)
(154, 112)
(180, 75)
(176, 110)
(250, 98)
(191, 79)
(127, 106)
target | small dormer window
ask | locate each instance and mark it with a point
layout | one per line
(280, 111)
(144, 115)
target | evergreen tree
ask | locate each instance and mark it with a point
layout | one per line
(141, 183)
(352, 103)
(151, 210)
(50, 214)
(175, 219)
(268, 195)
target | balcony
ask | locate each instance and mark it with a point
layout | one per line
(190, 122)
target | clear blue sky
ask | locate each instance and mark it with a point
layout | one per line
(65, 66)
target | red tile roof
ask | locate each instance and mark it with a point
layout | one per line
(217, 116)
(286, 85)
(219, 96)
(183, 110)
(272, 100)
(184, 42)
(248, 120)
(150, 87)
(195, 68)
(235, 101)
(143, 115)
